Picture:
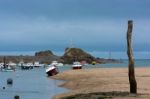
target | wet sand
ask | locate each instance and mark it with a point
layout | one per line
(90, 83)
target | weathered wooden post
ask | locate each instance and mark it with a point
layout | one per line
(16, 97)
(131, 74)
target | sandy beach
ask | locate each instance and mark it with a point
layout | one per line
(90, 83)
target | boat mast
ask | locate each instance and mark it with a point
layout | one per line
(109, 54)
(71, 43)
(4, 60)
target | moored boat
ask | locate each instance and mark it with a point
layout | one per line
(37, 64)
(27, 66)
(7, 70)
(1, 65)
(76, 65)
(7, 67)
(56, 63)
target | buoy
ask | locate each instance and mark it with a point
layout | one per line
(3, 87)
(9, 81)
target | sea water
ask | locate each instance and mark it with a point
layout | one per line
(124, 63)
(34, 84)
(121, 64)
(29, 84)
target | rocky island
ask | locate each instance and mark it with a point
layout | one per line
(76, 54)
(47, 56)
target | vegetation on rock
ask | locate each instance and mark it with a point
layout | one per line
(76, 54)
(44, 53)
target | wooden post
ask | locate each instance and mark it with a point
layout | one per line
(131, 74)
(16, 97)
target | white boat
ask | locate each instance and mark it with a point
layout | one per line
(20, 63)
(1, 65)
(52, 70)
(76, 65)
(57, 64)
(60, 64)
(25, 66)
(7, 68)
(37, 64)
(12, 64)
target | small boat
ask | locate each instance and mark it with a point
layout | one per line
(52, 70)
(6, 67)
(93, 62)
(76, 65)
(57, 64)
(1, 65)
(26, 66)
(37, 64)
(12, 64)
(7, 70)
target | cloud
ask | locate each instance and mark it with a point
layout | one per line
(89, 23)
(76, 9)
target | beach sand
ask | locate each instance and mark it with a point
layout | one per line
(92, 83)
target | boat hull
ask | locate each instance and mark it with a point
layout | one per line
(52, 72)
(79, 67)
(76, 65)
(7, 70)
(26, 67)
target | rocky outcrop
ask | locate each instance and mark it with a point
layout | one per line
(42, 56)
(46, 56)
(70, 55)
(76, 54)
(44, 53)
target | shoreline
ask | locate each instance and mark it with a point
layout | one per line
(103, 80)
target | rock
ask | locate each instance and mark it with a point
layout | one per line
(44, 53)
(46, 56)
(76, 54)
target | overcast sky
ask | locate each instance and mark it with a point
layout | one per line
(99, 25)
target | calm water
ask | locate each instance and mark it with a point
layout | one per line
(31, 84)
(34, 84)
(124, 63)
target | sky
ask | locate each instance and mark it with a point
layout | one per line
(94, 25)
